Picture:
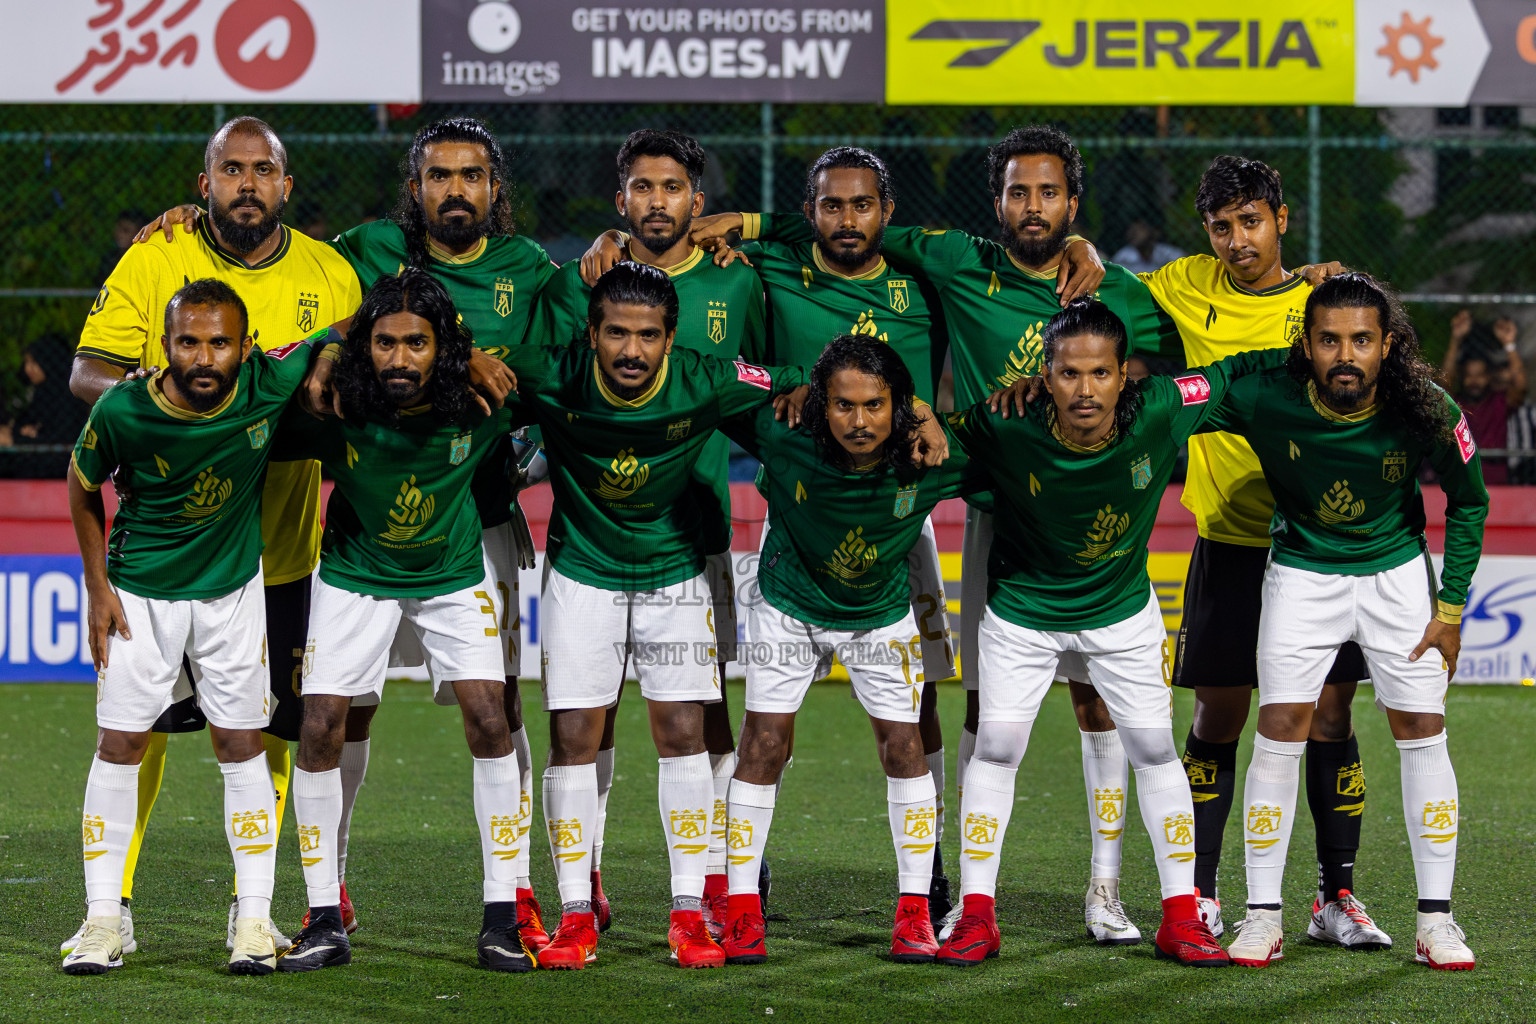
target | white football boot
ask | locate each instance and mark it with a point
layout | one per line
(125, 931)
(1344, 922)
(1442, 944)
(1105, 916)
(100, 947)
(1260, 940)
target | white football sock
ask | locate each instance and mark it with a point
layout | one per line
(250, 822)
(498, 799)
(111, 805)
(963, 755)
(936, 769)
(722, 766)
(1431, 813)
(1105, 777)
(604, 784)
(523, 860)
(984, 811)
(685, 791)
(913, 812)
(1269, 796)
(749, 809)
(1168, 812)
(570, 813)
(354, 766)
(317, 809)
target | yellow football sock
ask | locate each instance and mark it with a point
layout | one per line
(151, 771)
(280, 763)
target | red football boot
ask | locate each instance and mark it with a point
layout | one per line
(975, 937)
(530, 922)
(690, 941)
(1185, 937)
(912, 940)
(573, 946)
(715, 889)
(600, 905)
(746, 934)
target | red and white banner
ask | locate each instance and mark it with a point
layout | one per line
(206, 51)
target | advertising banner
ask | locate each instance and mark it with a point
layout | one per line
(212, 51)
(505, 51)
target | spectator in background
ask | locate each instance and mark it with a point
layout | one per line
(123, 230)
(49, 413)
(1486, 391)
(1144, 252)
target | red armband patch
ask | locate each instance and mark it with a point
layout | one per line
(1194, 389)
(279, 353)
(754, 375)
(1464, 440)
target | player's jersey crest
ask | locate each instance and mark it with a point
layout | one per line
(906, 501)
(1440, 814)
(716, 314)
(1263, 820)
(980, 828)
(1394, 466)
(412, 510)
(896, 292)
(1108, 527)
(1339, 504)
(679, 430)
(250, 825)
(504, 830)
(1109, 804)
(258, 433)
(1141, 472)
(919, 822)
(853, 557)
(626, 475)
(309, 311)
(458, 448)
(686, 824)
(208, 495)
(504, 291)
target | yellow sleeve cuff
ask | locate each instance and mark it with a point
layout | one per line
(81, 476)
(918, 403)
(331, 352)
(1075, 238)
(751, 226)
(1449, 613)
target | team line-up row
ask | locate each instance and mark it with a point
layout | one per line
(816, 344)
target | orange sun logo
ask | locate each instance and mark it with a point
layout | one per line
(1424, 60)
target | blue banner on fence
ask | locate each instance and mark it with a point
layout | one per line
(42, 609)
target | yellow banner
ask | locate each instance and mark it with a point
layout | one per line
(1119, 51)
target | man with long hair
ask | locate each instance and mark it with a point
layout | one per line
(1340, 432)
(846, 505)
(403, 544)
(1079, 479)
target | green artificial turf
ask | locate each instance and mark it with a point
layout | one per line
(414, 874)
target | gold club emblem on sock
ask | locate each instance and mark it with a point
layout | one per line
(1179, 830)
(1263, 820)
(1440, 814)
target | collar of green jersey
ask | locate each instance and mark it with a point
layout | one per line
(1338, 417)
(1073, 446)
(872, 274)
(158, 396)
(675, 269)
(639, 400)
(228, 257)
(444, 256)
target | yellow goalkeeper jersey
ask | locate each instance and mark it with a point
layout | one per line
(1225, 487)
(303, 286)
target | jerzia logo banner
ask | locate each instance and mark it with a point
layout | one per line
(531, 51)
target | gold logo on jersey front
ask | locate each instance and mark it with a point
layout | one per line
(208, 495)
(259, 433)
(504, 831)
(251, 824)
(309, 311)
(866, 327)
(1440, 814)
(1026, 357)
(686, 824)
(93, 829)
(853, 557)
(1109, 804)
(919, 822)
(1339, 504)
(906, 501)
(1108, 527)
(717, 321)
(896, 291)
(458, 448)
(504, 292)
(679, 430)
(626, 475)
(980, 828)
(1394, 466)
(565, 832)
(411, 512)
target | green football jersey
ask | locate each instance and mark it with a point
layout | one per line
(626, 512)
(993, 307)
(188, 525)
(836, 551)
(495, 289)
(1070, 547)
(401, 521)
(720, 313)
(809, 304)
(1347, 498)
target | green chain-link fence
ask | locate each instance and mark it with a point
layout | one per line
(1438, 202)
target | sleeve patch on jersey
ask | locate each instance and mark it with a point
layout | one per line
(1464, 440)
(279, 353)
(754, 375)
(1194, 389)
